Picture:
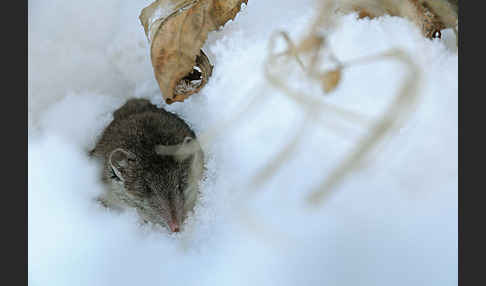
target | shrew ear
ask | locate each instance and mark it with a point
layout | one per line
(180, 151)
(119, 160)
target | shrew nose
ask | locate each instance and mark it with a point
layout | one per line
(174, 227)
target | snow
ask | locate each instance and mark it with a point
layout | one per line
(392, 222)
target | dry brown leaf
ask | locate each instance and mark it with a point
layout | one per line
(431, 16)
(177, 30)
(330, 80)
(225, 10)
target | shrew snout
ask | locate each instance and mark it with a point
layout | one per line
(174, 226)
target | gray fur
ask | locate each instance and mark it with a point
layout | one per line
(152, 162)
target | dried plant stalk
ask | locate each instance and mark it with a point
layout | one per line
(398, 110)
(314, 45)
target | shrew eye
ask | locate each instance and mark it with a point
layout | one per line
(113, 176)
(180, 189)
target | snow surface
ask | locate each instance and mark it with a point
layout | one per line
(393, 222)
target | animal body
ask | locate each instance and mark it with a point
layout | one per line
(152, 162)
